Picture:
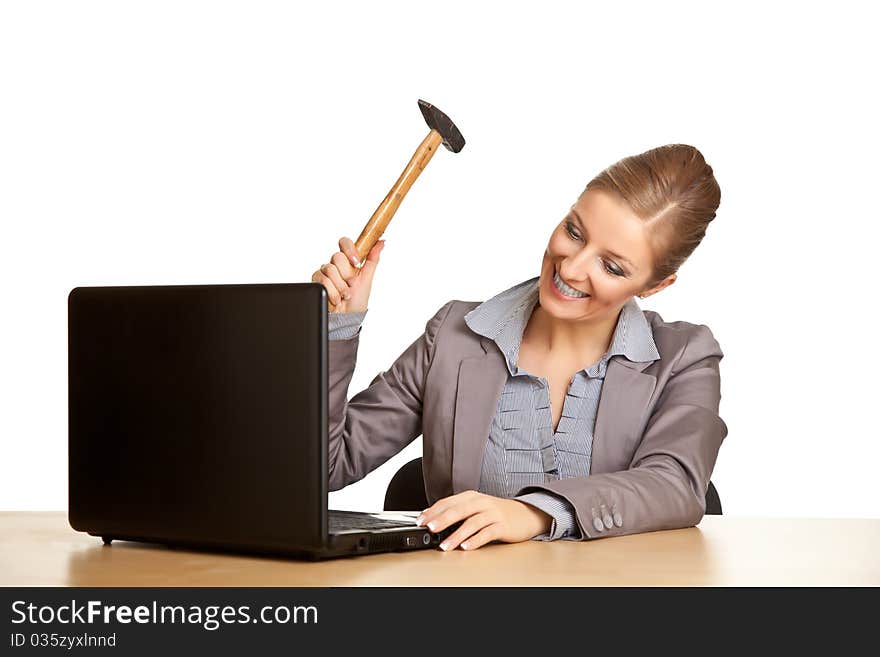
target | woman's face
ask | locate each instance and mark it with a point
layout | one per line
(600, 248)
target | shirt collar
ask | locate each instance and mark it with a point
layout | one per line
(503, 319)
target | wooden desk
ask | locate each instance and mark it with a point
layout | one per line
(41, 549)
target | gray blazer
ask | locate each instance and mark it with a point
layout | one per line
(655, 443)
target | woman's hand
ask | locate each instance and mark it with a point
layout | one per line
(484, 518)
(348, 288)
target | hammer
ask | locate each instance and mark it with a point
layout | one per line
(442, 130)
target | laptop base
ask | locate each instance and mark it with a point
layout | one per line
(338, 545)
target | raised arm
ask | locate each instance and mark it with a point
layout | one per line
(382, 419)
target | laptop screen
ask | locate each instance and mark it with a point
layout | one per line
(199, 412)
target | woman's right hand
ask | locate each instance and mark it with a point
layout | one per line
(348, 287)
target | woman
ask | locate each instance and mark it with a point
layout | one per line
(558, 408)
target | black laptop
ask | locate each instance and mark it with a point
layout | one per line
(198, 417)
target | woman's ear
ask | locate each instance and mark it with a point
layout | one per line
(666, 282)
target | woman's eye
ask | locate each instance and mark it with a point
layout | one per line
(569, 228)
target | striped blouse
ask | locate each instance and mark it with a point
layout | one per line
(522, 447)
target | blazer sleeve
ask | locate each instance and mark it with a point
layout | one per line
(665, 484)
(379, 421)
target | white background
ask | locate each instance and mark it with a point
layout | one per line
(235, 142)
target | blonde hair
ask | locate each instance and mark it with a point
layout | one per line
(673, 190)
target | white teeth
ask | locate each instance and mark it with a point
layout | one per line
(566, 289)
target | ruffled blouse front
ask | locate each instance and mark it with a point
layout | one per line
(523, 449)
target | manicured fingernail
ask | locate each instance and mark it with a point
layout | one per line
(355, 261)
(432, 525)
(444, 546)
(465, 545)
(420, 520)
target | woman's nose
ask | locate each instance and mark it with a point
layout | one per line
(575, 270)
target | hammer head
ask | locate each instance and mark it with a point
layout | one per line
(438, 121)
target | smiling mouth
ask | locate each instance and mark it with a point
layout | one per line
(566, 289)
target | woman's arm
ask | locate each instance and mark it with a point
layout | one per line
(665, 485)
(664, 488)
(564, 523)
(382, 419)
(342, 326)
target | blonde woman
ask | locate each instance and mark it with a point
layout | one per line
(557, 409)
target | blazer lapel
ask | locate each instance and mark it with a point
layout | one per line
(480, 382)
(626, 392)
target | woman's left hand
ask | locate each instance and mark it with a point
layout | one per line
(484, 518)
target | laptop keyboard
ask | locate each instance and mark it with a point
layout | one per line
(346, 520)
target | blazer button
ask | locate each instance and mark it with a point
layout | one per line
(606, 517)
(597, 523)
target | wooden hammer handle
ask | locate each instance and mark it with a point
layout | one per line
(372, 232)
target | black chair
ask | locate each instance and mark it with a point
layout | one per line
(406, 491)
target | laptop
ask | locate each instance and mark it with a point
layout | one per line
(197, 417)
